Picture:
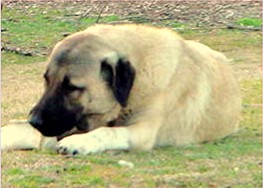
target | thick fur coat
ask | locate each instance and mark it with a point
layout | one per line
(175, 91)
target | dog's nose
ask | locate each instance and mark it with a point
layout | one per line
(36, 121)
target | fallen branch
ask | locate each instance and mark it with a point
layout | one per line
(85, 14)
(230, 26)
(100, 13)
(16, 51)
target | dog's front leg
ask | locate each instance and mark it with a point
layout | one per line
(19, 136)
(137, 136)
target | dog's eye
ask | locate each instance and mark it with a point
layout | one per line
(107, 73)
(68, 87)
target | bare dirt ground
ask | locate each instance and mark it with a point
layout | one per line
(209, 13)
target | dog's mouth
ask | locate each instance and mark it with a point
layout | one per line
(81, 127)
(74, 130)
(77, 130)
(84, 127)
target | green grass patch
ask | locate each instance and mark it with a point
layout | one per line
(32, 181)
(12, 58)
(14, 171)
(38, 32)
(254, 22)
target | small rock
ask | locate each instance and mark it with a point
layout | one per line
(236, 169)
(126, 163)
(78, 13)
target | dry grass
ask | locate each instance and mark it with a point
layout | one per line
(21, 88)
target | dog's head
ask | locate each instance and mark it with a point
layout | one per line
(86, 85)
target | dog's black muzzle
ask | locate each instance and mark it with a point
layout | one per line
(52, 118)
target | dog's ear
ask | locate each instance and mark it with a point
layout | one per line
(120, 78)
(124, 78)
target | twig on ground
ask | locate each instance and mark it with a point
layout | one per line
(101, 11)
(86, 13)
(16, 50)
(230, 26)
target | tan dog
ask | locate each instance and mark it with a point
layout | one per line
(160, 89)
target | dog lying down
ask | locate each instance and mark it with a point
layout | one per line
(127, 87)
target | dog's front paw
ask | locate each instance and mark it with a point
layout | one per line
(99, 140)
(81, 144)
